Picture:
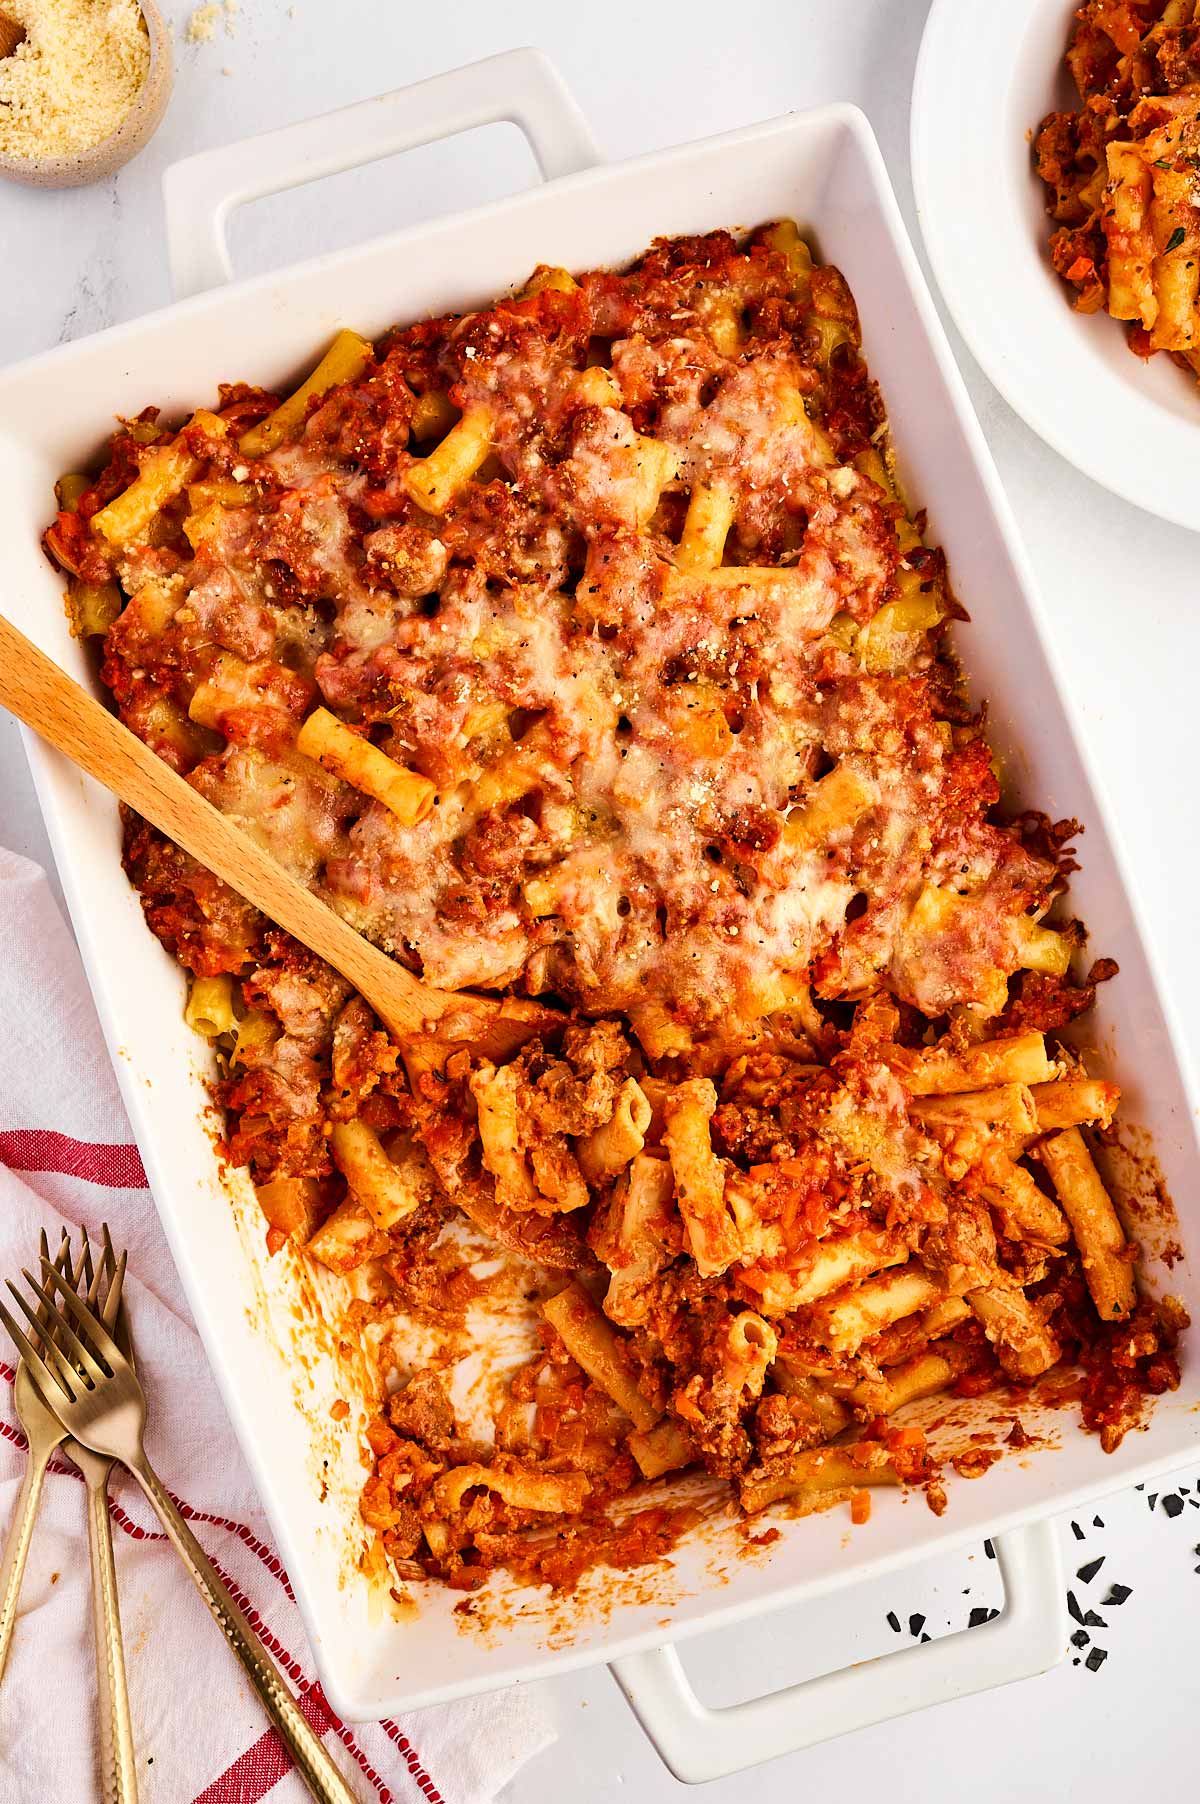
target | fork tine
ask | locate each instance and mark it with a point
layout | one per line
(66, 1372)
(94, 1274)
(99, 1336)
(86, 1271)
(108, 1261)
(111, 1310)
(47, 1381)
(117, 1320)
(62, 1259)
(66, 1264)
(64, 1246)
(80, 1353)
(116, 1288)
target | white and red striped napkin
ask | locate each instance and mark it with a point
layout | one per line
(66, 1156)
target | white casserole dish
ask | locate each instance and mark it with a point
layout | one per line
(986, 78)
(824, 168)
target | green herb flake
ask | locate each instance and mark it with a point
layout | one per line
(1174, 241)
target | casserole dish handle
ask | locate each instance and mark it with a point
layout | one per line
(521, 87)
(698, 1743)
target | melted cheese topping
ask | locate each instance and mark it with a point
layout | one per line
(627, 754)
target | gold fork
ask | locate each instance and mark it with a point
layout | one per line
(45, 1433)
(92, 1388)
(118, 1759)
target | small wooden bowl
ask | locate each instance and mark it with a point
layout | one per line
(131, 135)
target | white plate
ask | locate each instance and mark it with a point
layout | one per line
(987, 75)
(825, 169)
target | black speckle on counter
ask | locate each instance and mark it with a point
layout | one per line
(894, 1620)
(1077, 1531)
(978, 1616)
(1117, 1595)
(1093, 1621)
(1087, 1573)
(1152, 1499)
(989, 1550)
(1173, 1506)
(1139, 1487)
(1080, 1638)
(1096, 1522)
(1096, 1659)
(925, 1637)
(916, 1623)
(1073, 1607)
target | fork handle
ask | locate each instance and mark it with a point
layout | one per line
(118, 1759)
(312, 1762)
(16, 1548)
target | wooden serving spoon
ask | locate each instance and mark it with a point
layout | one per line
(34, 689)
(12, 33)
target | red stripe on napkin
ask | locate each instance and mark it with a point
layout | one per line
(40, 1149)
(411, 1761)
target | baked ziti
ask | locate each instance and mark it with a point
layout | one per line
(1121, 171)
(584, 648)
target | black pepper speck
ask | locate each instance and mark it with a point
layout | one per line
(1077, 1531)
(894, 1620)
(1080, 1638)
(1093, 1621)
(1117, 1594)
(1087, 1573)
(916, 1623)
(1073, 1607)
(977, 1617)
(1173, 1506)
(1096, 1659)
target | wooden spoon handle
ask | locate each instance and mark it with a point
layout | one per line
(34, 689)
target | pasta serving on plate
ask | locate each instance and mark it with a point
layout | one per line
(583, 648)
(1121, 172)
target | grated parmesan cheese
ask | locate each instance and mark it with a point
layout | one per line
(74, 78)
(202, 25)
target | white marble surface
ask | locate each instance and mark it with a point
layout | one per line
(1123, 591)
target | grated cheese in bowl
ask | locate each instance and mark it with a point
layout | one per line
(75, 77)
